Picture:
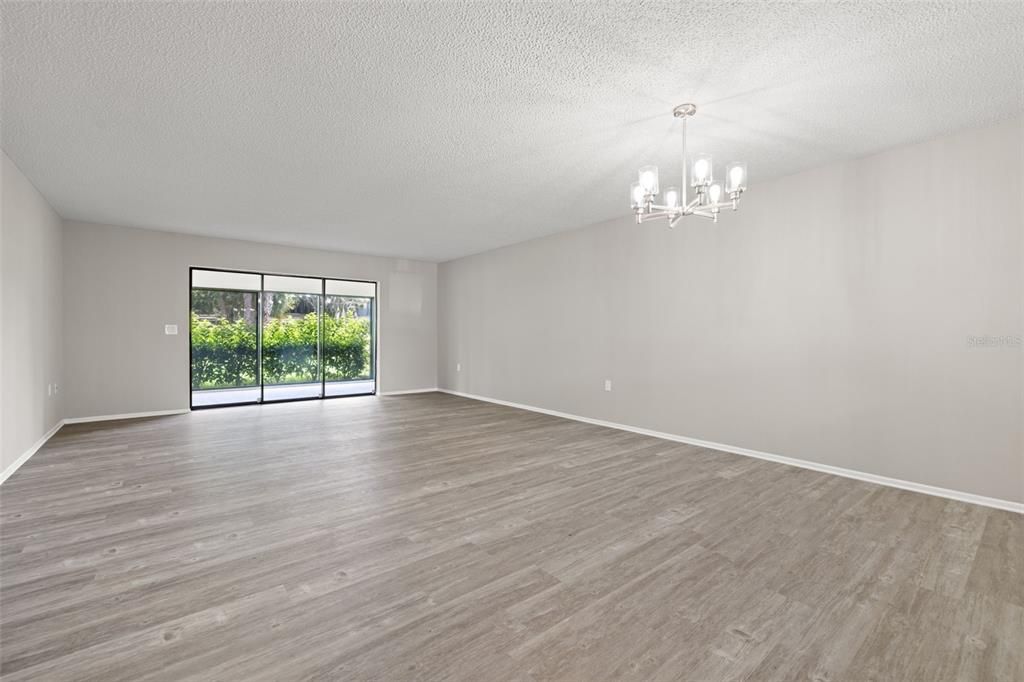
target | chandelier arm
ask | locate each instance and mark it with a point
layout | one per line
(732, 204)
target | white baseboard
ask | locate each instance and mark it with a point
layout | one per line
(77, 420)
(408, 392)
(31, 451)
(961, 496)
(129, 415)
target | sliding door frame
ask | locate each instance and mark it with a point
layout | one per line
(374, 366)
(259, 363)
(259, 336)
(373, 333)
(320, 340)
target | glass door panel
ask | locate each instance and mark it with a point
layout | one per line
(291, 338)
(349, 346)
(223, 336)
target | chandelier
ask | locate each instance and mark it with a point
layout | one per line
(710, 197)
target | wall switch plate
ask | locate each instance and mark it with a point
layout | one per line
(49, 389)
(607, 384)
(170, 329)
(458, 366)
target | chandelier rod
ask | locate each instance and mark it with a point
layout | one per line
(683, 112)
(684, 188)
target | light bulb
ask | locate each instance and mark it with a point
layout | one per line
(701, 170)
(649, 179)
(715, 193)
(672, 197)
(736, 177)
(636, 195)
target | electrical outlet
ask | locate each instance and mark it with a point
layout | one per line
(607, 384)
(458, 366)
(49, 389)
(170, 329)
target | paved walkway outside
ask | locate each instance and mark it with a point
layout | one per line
(286, 392)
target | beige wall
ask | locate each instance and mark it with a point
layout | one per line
(30, 291)
(828, 320)
(123, 285)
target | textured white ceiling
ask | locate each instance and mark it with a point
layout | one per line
(436, 130)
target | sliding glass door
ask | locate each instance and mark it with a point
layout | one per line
(291, 338)
(224, 333)
(269, 338)
(348, 348)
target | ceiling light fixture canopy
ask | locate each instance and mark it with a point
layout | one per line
(711, 197)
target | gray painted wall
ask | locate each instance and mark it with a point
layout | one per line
(122, 285)
(829, 320)
(30, 289)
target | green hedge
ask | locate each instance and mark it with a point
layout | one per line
(224, 353)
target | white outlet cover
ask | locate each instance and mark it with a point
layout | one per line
(170, 329)
(607, 384)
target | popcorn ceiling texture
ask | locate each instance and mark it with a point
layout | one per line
(435, 130)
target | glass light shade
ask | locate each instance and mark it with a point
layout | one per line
(736, 177)
(636, 195)
(714, 193)
(700, 170)
(649, 179)
(672, 197)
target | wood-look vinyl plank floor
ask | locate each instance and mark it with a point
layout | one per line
(430, 537)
